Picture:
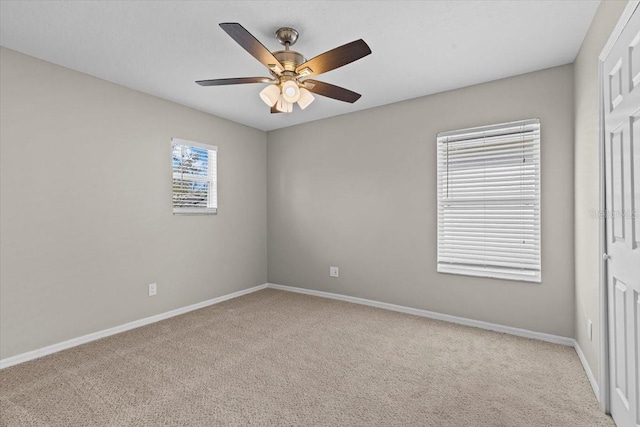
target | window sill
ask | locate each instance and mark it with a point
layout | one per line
(531, 276)
(186, 211)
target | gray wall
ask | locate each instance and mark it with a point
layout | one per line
(86, 218)
(358, 191)
(86, 226)
(588, 256)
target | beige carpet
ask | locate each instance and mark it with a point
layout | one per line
(277, 358)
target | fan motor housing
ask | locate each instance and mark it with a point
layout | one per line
(289, 59)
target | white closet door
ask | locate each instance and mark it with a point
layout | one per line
(622, 175)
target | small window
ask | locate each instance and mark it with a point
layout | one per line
(489, 201)
(194, 177)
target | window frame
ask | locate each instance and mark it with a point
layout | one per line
(211, 178)
(507, 273)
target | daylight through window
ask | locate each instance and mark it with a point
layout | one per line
(194, 177)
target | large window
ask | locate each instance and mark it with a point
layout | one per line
(489, 201)
(194, 177)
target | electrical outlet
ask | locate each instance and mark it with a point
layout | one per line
(153, 289)
(590, 330)
(333, 271)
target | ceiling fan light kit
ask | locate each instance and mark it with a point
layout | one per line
(270, 95)
(289, 69)
(290, 91)
(305, 98)
(283, 105)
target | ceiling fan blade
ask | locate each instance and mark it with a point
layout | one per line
(253, 46)
(274, 110)
(334, 58)
(234, 81)
(331, 91)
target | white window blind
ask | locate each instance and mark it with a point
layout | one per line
(489, 201)
(194, 177)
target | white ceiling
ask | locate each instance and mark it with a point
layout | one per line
(419, 47)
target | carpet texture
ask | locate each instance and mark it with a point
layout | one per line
(284, 359)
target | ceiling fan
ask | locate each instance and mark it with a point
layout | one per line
(290, 71)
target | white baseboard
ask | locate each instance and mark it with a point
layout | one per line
(459, 320)
(587, 370)
(44, 351)
(433, 315)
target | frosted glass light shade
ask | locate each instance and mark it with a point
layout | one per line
(305, 98)
(270, 95)
(283, 105)
(290, 91)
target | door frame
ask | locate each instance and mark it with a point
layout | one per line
(604, 397)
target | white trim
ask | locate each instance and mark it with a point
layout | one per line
(617, 30)
(195, 211)
(587, 370)
(479, 271)
(54, 348)
(202, 145)
(603, 396)
(432, 315)
(35, 354)
(489, 128)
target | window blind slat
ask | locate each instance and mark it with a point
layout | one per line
(491, 261)
(493, 249)
(482, 150)
(489, 201)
